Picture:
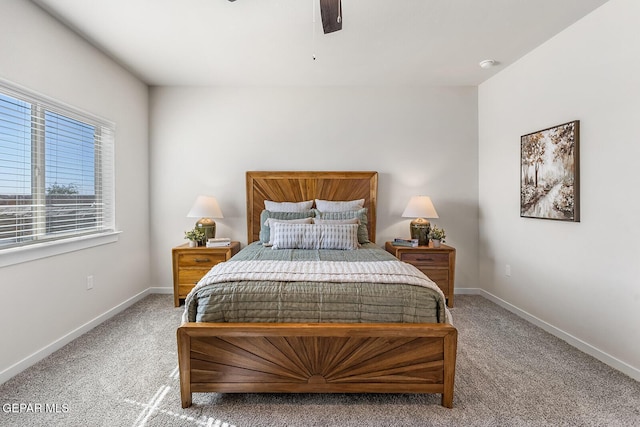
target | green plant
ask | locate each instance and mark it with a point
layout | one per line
(437, 233)
(195, 235)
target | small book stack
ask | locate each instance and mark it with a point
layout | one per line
(405, 242)
(218, 242)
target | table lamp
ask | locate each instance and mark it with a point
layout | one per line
(420, 208)
(206, 208)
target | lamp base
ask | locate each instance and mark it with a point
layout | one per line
(208, 226)
(420, 229)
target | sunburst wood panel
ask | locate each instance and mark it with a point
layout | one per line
(301, 186)
(316, 360)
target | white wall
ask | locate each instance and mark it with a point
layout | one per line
(45, 300)
(420, 140)
(581, 279)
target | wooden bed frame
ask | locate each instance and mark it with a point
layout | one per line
(315, 357)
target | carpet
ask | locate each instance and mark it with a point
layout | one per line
(509, 373)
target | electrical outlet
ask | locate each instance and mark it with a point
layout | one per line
(507, 270)
(89, 282)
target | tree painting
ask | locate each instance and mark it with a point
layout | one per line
(549, 173)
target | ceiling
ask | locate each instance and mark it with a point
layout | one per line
(274, 42)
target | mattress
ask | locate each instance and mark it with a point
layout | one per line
(367, 285)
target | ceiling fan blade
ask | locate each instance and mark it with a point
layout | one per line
(331, 11)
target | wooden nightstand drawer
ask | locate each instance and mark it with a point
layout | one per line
(440, 276)
(191, 275)
(425, 258)
(201, 259)
(183, 290)
(191, 264)
(438, 264)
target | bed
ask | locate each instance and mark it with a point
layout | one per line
(320, 348)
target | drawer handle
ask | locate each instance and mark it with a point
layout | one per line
(202, 260)
(424, 259)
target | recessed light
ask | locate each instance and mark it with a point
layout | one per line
(487, 63)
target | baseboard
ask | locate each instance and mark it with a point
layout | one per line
(34, 358)
(570, 339)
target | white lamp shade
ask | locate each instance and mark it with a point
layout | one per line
(205, 207)
(420, 207)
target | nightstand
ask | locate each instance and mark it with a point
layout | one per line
(191, 264)
(439, 264)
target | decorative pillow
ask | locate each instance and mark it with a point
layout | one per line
(265, 214)
(361, 214)
(339, 206)
(286, 235)
(288, 206)
(270, 221)
(336, 221)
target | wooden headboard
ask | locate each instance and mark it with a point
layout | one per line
(301, 186)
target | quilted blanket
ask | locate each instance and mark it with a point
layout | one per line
(268, 290)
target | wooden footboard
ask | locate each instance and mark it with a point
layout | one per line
(317, 358)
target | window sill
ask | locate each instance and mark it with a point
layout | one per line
(57, 247)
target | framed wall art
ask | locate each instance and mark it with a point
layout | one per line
(549, 173)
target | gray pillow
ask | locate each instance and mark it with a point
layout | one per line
(265, 214)
(361, 214)
(314, 236)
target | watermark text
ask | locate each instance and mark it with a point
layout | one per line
(35, 408)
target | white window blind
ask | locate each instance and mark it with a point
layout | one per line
(56, 170)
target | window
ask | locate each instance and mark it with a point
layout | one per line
(56, 170)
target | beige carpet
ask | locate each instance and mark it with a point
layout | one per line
(509, 373)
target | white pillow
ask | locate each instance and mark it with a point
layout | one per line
(288, 206)
(314, 236)
(270, 221)
(337, 221)
(340, 206)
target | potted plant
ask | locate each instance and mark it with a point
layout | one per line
(194, 236)
(437, 235)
